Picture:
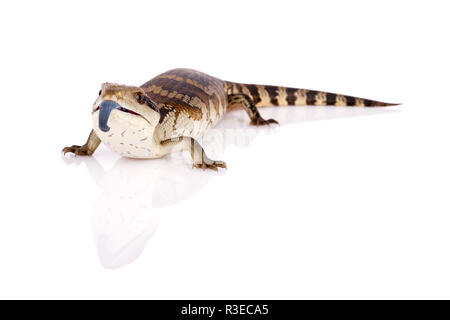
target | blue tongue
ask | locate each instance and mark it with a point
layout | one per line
(105, 110)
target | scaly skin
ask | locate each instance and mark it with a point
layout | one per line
(171, 111)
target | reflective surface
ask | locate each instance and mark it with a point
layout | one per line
(308, 204)
(124, 219)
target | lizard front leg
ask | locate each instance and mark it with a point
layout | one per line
(250, 108)
(198, 155)
(87, 149)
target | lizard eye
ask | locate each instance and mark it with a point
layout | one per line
(100, 93)
(139, 98)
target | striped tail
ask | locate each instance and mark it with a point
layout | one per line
(266, 96)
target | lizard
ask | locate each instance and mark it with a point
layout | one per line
(174, 109)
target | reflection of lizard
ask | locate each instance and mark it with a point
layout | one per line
(171, 111)
(125, 214)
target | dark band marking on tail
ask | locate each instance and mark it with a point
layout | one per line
(350, 101)
(369, 103)
(331, 99)
(311, 97)
(291, 96)
(273, 94)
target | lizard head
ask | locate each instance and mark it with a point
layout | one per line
(125, 105)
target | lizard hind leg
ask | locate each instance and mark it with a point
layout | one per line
(249, 106)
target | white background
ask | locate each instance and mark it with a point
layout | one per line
(334, 203)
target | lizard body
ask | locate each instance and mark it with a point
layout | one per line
(174, 109)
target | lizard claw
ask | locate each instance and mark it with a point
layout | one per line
(213, 165)
(261, 121)
(78, 150)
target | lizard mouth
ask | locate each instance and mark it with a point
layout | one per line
(105, 109)
(120, 109)
(127, 111)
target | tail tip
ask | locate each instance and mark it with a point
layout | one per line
(386, 104)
